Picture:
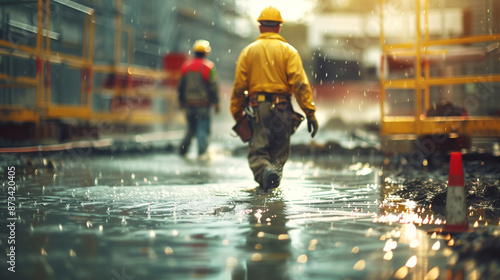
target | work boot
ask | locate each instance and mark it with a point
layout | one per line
(271, 179)
(183, 150)
(204, 157)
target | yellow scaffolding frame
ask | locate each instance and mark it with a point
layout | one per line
(419, 124)
(44, 56)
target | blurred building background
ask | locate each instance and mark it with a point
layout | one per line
(70, 67)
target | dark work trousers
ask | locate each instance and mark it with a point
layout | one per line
(270, 142)
(198, 120)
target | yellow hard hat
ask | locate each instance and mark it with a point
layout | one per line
(202, 46)
(270, 14)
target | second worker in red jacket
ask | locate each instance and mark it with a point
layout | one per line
(269, 71)
(198, 91)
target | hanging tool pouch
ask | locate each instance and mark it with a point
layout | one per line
(278, 102)
(281, 102)
(242, 126)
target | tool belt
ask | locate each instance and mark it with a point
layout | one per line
(278, 102)
(273, 98)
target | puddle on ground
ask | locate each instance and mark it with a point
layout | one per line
(157, 216)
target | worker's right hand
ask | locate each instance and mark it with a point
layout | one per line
(312, 125)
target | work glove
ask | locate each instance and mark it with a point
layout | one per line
(312, 125)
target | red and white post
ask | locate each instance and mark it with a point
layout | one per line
(456, 206)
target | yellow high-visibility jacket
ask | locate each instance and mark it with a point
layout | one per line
(270, 65)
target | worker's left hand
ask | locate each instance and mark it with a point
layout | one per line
(312, 125)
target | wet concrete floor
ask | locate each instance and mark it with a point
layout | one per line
(158, 216)
(150, 214)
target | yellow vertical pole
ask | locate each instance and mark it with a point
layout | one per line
(39, 47)
(382, 69)
(418, 74)
(47, 49)
(426, 22)
(47, 25)
(91, 39)
(426, 61)
(85, 37)
(118, 40)
(39, 24)
(118, 30)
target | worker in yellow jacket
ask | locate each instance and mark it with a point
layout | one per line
(269, 71)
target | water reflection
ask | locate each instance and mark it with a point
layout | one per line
(158, 216)
(268, 243)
